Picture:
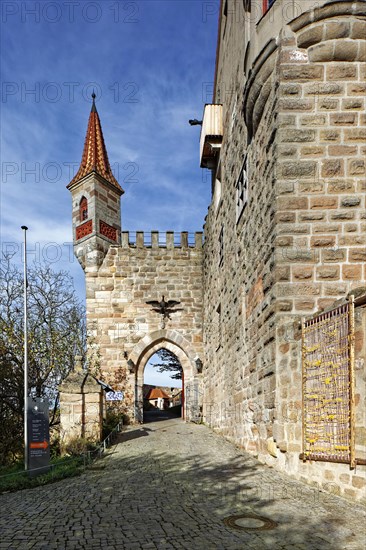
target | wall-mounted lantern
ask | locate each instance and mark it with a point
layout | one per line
(199, 365)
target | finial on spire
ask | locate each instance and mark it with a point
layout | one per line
(93, 109)
(95, 157)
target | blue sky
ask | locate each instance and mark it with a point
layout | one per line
(151, 64)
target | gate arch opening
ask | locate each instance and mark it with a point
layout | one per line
(163, 381)
(177, 344)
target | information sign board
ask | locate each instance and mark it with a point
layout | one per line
(38, 436)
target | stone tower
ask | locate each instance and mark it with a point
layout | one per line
(96, 210)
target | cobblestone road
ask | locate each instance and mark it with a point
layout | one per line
(169, 485)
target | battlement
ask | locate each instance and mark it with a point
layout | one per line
(167, 239)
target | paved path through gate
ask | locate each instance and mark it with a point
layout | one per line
(169, 485)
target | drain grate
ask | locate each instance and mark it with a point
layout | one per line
(250, 522)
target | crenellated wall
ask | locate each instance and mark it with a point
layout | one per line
(146, 267)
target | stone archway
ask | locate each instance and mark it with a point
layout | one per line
(181, 347)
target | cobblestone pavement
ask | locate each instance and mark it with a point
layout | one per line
(169, 485)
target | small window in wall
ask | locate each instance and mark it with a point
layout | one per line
(267, 4)
(83, 209)
(247, 5)
(225, 16)
(221, 246)
(218, 326)
(242, 190)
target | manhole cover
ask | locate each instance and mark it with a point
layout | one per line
(250, 522)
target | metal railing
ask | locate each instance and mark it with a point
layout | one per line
(84, 460)
(99, 451)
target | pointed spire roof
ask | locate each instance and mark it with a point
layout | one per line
(95, 157)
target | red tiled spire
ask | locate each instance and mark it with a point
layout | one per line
(95, 157)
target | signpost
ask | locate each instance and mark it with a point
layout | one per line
(114, 396)
(38, 436)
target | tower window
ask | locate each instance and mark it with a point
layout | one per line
(242, 190)
(83, 209)
(221, 246)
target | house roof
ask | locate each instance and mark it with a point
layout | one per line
(95, 157)
(155, 393)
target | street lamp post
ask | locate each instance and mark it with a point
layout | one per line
(25, 228)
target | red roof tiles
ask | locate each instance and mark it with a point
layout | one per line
(154, 393)
(95, 157)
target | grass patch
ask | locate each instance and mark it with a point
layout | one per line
(14, 478)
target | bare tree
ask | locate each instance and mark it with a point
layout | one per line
(169, 362)
(56, 333)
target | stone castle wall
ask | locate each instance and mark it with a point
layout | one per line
(127, 330)
(297, 112)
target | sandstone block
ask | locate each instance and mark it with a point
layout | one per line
(337, 29)
(342, 71)
(345, 50)
(292, 203)
(312, 151)
(304, 305)
(321, 52)
(342, 150)
(285, 187)
(357, 255)
(285, 120)
(342, 215)
(282, 273)
(310, 37)
(353, 104)
(356, 88)
(322, 242)
(311, 187)
(299, 169)
(302, 272)
(286, 151)
(343, 119)
(284, 305)
(327, 272)
(330, 135)
(361, 55)
(284, 241)
(297, 136)
(356, 167)
(352, 240)
(287, 104)
(358, 30)
(326, 228)
(335, 289)
(333, 255)
(352, 272)
(290, 89)
(355, 134)
(328, 104)
(332, 168)
(350, 201)
(285, 217)
(313, 120)
(324, 202)
(302, 73)
(351, 227)
(324, 88)
(311, 216)
(340, 186)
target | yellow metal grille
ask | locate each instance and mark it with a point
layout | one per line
(327, 358)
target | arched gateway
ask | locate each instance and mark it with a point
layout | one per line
(191, 380)
(134, 283)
